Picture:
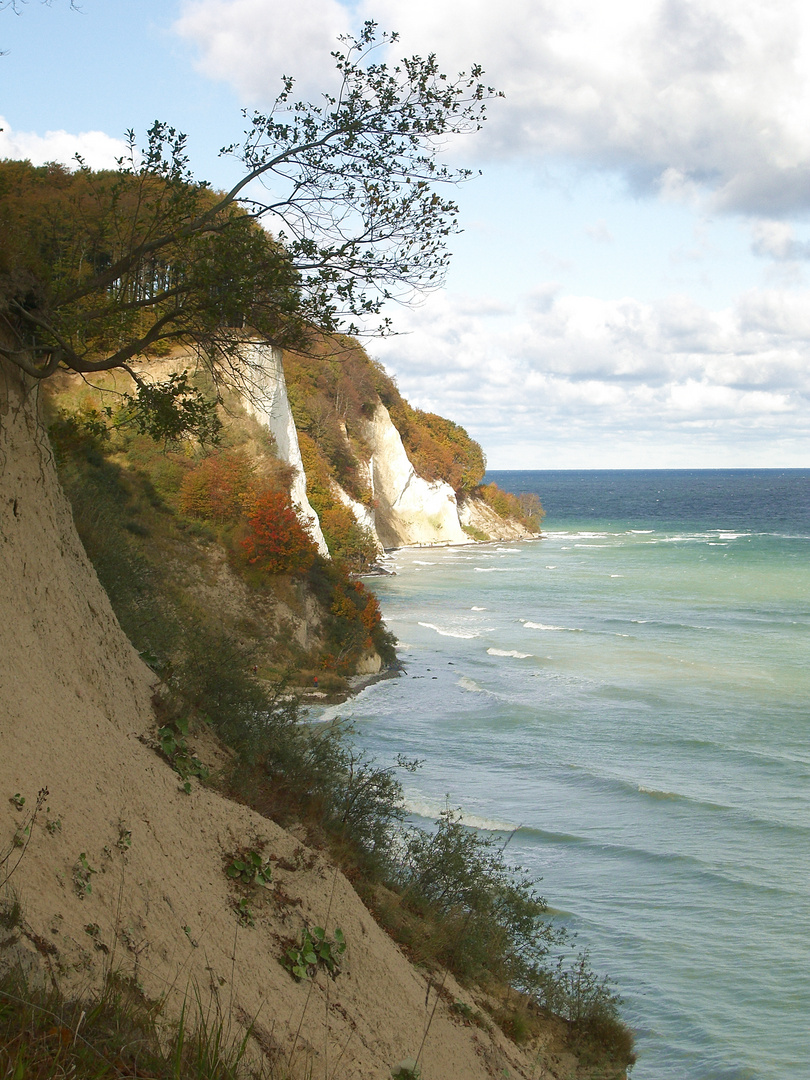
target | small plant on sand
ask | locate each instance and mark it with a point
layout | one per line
(82, 876)
(249, 868)
(11, 858)
(245, 912)
(316, 949)
(406, 1070)
(177, 752)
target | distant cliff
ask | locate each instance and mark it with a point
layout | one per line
(356, 459)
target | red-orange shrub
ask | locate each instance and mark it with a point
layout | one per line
(277, 541)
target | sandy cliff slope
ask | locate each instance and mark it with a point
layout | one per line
(75, 718)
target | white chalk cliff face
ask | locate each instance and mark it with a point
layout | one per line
(266, 398)
(408, 510)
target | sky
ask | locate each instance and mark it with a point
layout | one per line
(631, 288)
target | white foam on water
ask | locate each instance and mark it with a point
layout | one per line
(509, 652)
(465, 634)
(478, 609)
(551, 568)
(492, 570)
(421, 562)
(545, 626)
(426, 807)
(467, 683)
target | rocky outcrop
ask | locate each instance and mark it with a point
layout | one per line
(265, 395)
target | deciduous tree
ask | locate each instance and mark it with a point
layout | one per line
(337, 210)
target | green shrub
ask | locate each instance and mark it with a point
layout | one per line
(491, 913)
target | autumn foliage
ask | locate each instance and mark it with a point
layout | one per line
(526, 508)
(277, 542)
(216, 489)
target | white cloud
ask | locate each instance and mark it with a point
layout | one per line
(679, 96)
(776, 240)
(600, 233)
(668, 383)
(252, 43)
(98, 149)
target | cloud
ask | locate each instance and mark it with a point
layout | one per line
(600, 233)
(668, 383)
(681, 97)
(99, 150)
(775, 240)
(252, 43)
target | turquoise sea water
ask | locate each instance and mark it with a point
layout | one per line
(633, 691)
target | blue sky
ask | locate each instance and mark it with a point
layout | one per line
(631, 288)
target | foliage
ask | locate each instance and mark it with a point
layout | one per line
(354, 623)
(574, 991)
(249, 868)
(526, 507)
(492, 911)
(276, 542)
(316, 949)
(217, 488)
(96, 268)
(170, 410)
(177, 752)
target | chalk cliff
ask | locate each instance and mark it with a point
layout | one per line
(265, 396)
(408, 510)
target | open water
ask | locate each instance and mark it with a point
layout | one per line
(633, 691)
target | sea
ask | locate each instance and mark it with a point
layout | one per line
(631, 693)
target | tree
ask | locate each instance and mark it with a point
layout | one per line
(98, 268)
